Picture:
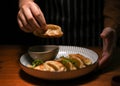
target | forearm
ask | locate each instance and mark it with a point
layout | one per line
(21, 2)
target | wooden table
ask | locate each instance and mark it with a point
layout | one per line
(12, 75)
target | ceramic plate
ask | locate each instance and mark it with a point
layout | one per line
(26, 60)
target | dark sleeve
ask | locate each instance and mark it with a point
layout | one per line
(112, 14)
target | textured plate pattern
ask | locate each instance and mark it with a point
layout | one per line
(65, 50)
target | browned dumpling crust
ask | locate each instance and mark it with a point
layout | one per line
(85, 60)
(51, 31)
(53, 66)
(77, 61)
(69, 63)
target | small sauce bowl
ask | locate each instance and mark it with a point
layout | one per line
(43, 52)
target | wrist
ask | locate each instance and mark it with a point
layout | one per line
(22, 2)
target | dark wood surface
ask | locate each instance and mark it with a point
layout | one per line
(12, 75)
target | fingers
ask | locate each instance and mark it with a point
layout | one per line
(104, 62)
(108, 36)
(30, 18)
(38, 16)
(23, 24)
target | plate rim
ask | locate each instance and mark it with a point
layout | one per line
(21, 64)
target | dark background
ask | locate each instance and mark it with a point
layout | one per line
(10, 32)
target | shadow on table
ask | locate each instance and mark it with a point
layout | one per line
(71, 82)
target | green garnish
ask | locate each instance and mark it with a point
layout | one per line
(67, 59)
(36, 62)
(64, 60)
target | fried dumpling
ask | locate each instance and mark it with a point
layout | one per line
(71, 62)
(44, 67)
(67, 63)
(41, 67)
(86, 60)
(49, 67)
(57, 66)
(51, 31)
(76, 61)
